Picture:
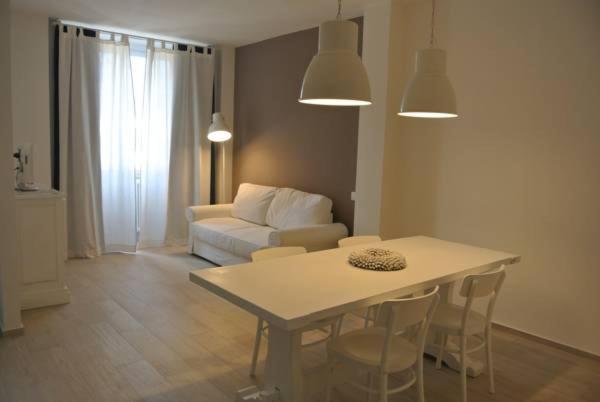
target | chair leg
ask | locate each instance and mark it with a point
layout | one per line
(370, 384)
(383, 388)
(329, 386)
(490, 364)
(333, 330)
(368, 316)
(420, 385)
(338, 326)
(463, 366)
(257, 339)
(441, 351)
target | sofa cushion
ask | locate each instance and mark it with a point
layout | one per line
(292, 208)
(252, 202)
(234, 235)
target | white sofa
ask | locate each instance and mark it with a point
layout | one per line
(262, 217)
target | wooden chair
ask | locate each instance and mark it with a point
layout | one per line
(356, 240)
(394, 344)
(461, 321)
(369, 314)
(262, 327)
(276, 252)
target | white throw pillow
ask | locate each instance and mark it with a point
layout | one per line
(292, 208)
(252, 202)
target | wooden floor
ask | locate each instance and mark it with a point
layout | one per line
(138, 330)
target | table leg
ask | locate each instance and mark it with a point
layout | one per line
(452, 360)
(283, 370)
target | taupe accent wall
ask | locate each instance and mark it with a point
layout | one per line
(281, 142)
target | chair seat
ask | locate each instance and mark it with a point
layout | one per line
(448, 319)
(365, 346)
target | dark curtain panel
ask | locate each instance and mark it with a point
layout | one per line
(54, 135)
(213, 157)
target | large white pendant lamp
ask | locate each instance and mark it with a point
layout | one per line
(336, 75)
(429, 93)
(218, 130)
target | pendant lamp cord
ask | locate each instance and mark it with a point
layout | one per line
(339, 11)
(432, 37)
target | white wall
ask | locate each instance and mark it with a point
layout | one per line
(30, 74)
(519, 170)
(372, 121)
(10, 305)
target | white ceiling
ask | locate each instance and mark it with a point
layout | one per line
(224, 22)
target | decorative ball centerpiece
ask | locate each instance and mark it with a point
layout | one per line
(377, 259)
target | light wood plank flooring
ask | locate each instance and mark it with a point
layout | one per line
(138, 330)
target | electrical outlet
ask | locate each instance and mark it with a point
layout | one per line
(248, 394)
(253, 394)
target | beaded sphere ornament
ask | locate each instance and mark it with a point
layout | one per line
(377, 259)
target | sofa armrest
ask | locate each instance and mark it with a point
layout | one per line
(313, 238)
(198, 212)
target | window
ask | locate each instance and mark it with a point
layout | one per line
(136, 100)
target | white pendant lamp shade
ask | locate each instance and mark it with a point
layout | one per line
(429, 93)
(218, 130)
(336, 75)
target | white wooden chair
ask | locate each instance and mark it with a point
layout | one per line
(461, 321)
(262, 327)
(276, 252)
(369, 314)
(356, 240)
(394, 344)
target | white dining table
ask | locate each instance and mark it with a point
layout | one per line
(292, 292)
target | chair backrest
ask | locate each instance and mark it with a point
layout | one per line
(276, 252)
(403, 313)
(400, 315)
(356, 240)
(482, 285)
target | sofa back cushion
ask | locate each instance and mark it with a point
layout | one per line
(252, 202)
(292, 208)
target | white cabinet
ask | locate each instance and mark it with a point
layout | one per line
(41, 240)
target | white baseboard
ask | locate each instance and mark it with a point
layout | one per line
(541, 339)
(17, 330)
(44, 298)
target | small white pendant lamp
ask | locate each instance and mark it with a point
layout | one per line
(218, 130)
(336, 75)
(429, 93)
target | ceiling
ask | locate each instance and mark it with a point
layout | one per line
(215, 22)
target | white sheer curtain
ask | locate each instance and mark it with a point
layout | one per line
(189, 167)
(79, 137)
(131, 166)
(97, 141)
(155, 144)
(176, 154)
(117, 147)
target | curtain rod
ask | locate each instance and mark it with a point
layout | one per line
(132, 33)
